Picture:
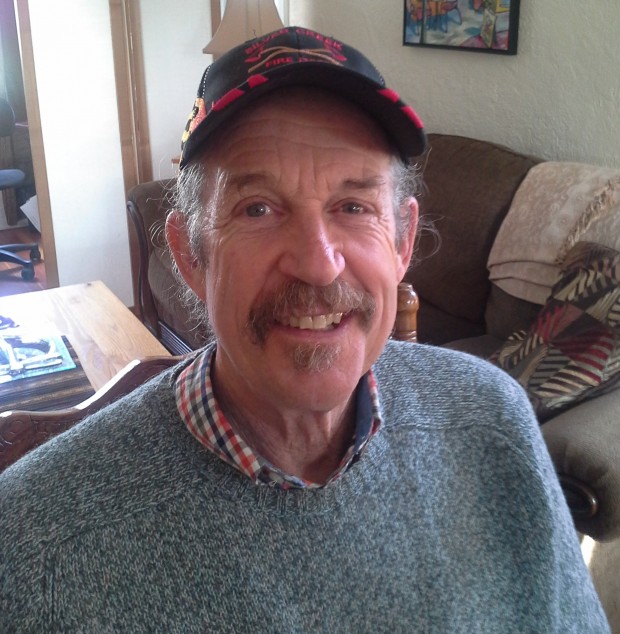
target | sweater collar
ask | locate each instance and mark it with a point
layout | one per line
(205, 420)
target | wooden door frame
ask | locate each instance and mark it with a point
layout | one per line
(130, 91)
(131, 87)
(132, 110)
(22, 17)
(126, 32)
(133, 121)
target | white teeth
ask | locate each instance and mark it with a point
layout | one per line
(309, 322)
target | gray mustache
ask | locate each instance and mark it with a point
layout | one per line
(297, 297)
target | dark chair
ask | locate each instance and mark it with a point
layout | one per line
(10, 179)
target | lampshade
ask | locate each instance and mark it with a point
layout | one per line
(242, 21)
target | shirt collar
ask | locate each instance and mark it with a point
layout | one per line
(205, 420)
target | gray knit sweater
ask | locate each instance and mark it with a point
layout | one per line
(452, 521)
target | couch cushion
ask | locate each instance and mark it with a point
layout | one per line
(469, 185)
(483, 346)
(584, 442)
(572, 350)
(505, 313)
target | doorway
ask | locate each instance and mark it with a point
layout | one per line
(27, 109)
(19, 220)
(126, 35)
(125, 24)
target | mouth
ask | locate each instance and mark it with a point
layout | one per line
(312, 322)
(301, 307)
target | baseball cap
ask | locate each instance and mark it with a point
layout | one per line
(296, 56)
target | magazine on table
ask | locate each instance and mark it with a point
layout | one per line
(27, 352)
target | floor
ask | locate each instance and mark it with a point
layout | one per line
(11, 281)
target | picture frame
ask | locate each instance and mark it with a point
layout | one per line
(483, 26)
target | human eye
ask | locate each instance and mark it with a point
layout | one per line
(257, 210)
(353, 208)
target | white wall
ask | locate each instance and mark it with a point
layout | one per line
(79, 116)
(173, 37)
(558, 98)
(172, 42)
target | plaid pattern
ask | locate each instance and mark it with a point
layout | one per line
(205, 420)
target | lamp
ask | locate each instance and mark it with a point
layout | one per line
(242, 21)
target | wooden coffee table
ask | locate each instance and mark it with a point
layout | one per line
(105, 334)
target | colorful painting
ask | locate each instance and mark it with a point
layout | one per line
(476, 25)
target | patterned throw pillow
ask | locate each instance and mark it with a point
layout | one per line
(572, 350)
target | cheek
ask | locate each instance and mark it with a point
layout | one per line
(232, 282)
(377, 268)
(376, 258)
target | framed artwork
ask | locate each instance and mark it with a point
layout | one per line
(489, 26)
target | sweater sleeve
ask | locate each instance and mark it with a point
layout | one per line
(566, 596)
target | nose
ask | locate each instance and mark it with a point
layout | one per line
(311, 253)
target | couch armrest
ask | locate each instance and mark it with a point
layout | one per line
(584, 443)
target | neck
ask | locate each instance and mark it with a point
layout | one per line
(306, 444)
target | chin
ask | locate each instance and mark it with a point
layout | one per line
(315, 357)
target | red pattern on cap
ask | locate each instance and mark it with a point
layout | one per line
(257, 80)
(227, 99)
(292, 46)
(413, 115)
(394, 97)
(390, 94)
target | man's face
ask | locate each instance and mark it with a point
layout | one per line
(302, 268)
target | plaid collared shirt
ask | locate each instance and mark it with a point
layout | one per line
(200, 411)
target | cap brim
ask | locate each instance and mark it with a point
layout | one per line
(398, 121)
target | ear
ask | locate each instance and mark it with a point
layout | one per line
(190, 267)
(404, 250)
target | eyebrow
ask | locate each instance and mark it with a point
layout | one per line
(239, 181)
(372, 182)
(358, 184)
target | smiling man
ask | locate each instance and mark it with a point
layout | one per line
(301, 473)
(299, 270)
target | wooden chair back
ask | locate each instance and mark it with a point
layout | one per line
(22, 430)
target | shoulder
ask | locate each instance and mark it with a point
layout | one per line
(458, 414)
(432, 388)
(442, 374)
(112, 462)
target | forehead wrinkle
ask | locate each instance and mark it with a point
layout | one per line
(264, 178)
(361, 177)
(362, 184)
